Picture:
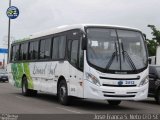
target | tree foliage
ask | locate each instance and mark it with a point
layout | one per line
(152, 44)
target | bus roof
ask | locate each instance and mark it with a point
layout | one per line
(70, 27)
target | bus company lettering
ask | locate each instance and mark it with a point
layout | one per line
(47, 69)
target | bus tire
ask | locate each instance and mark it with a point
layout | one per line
(114, 102)
(157, 97)
(63, 97)
(25, 90)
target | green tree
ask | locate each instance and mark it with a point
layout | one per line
(152, 44)
(155, 33)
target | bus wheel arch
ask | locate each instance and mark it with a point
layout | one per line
(24, 86)
(25, 90)
(23, 79)
(59, 80)
(62, 91)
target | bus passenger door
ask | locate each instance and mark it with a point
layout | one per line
(75, 74)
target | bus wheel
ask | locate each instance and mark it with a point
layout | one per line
(114, 102)
(25, 90)
(63, 93)
(157, 98)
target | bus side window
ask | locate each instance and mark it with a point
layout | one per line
(59, 47)
(81, 56)
(20, 52)
(45, 46)
(55, 48)
(30, 54)
(42, 49)
(74, 53)
(47, 53)
(13, 54)
(35, 50)
(69, 49)
(16, 58)
(62, 47)
(25, 50)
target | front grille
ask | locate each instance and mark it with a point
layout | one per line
(108, 78)
(119, 95)
(118, 85)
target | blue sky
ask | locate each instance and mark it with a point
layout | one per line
(39, 15)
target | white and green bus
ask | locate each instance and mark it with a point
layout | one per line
(86, 61)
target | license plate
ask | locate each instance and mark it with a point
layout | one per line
(126, 82)
(129, 82)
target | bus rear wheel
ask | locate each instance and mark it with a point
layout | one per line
(114, 102)
(63, 93)
(25, 90)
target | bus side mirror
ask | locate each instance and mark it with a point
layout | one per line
(84, 43)
(149, 60)
(145, 37)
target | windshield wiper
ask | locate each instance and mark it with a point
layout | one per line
(129, 60)
(115, 54)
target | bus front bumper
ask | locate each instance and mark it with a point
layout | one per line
(92, 91)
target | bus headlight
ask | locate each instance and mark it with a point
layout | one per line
(91, 78)
(144, 81)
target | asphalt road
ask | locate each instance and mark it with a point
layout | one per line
(12, 102)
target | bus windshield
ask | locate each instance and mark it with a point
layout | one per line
(116, 49)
